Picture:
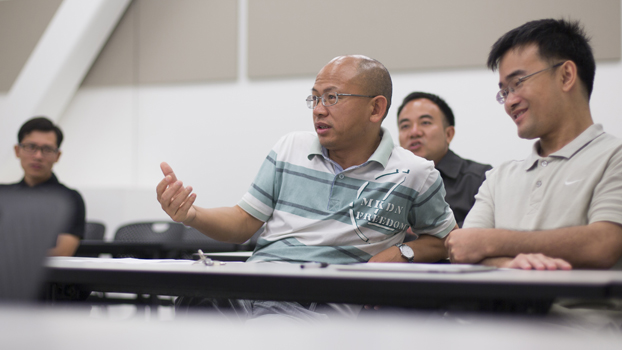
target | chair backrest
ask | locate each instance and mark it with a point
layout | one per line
(157, 231)
(94, 231)
(29, 225)
(194, 237)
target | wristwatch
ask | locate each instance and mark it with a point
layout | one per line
(406, 251)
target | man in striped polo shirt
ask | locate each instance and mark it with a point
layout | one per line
(342, 194)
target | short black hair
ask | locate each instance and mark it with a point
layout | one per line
(555, 39)
(442, 105)
(40, 124)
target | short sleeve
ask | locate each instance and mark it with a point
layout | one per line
(482, 215)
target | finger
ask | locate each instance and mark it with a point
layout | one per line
(450, 254)
(549, 263)
(167, 195)
(563, 264)
(536, 261)
(187, 204)
(523, 262)
(167, 170)
(161, 187)
(447, 241)
(181, 194)
(552, 263)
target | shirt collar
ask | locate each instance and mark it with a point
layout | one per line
(568, 151)
(449, 165)
(52, 180)
(381, 154)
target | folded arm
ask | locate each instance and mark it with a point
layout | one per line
(426, 248)
(597, 245)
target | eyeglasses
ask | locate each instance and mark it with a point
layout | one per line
(515, 85)
(31, 148)
(329, 99)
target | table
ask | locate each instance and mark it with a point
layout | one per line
(283, 281)
(153, 250)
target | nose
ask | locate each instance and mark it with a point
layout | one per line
(415, 131)
(38, 153)
(320, 109)
(511, 101)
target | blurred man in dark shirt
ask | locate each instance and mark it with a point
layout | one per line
(38, 149)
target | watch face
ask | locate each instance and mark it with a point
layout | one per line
(407, 252)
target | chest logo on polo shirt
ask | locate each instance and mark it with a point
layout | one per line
(377, 212)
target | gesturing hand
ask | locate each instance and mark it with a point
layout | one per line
(175, 200)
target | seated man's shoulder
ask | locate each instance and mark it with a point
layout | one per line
(409, 159)
(476, 167)
(611, 142)
(471, 166)
(61, 190)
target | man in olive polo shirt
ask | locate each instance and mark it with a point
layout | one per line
(561, 207)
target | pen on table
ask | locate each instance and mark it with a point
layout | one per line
(312, 265)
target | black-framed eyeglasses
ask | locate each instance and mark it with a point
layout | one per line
(515, 85)
(31, 148)
(329, 99)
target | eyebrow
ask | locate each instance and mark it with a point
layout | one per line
(423, 116)
(512, 76)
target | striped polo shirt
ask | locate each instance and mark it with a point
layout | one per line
(314, 211)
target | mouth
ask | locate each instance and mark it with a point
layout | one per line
(415, 146)
(321, 127)
(517, 114)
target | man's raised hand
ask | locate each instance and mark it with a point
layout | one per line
(175, 200)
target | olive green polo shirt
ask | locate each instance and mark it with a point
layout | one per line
(577, 185)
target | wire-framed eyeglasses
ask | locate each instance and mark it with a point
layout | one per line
(329, 99)
(515, 85)
(31, 148)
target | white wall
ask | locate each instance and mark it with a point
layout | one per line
(216, 135)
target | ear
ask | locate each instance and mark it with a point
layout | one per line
(379, 107)
(568, 76)
(450, 131)
(57, 156)
(17, 151)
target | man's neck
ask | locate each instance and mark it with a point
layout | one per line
(353, 156)
(563, 135)
(32, 182)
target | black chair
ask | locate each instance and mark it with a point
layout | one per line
(194, 240)
(146, 240)
(156, 231)
(94, 231)
(150, 239)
